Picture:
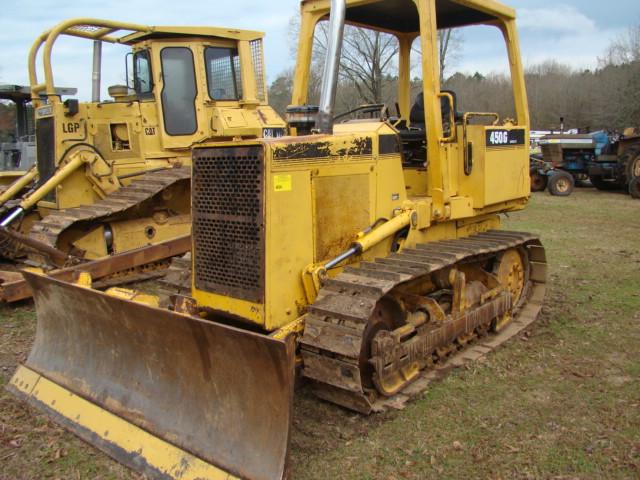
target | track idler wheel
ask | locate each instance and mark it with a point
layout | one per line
(512, 271)
(380, 338)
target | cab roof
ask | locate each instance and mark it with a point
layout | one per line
(157, 32)
(132, 33)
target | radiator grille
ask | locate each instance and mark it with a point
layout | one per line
(45, 145)
(45, 153)
(228, 225)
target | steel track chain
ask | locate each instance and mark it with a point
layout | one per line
(337, 320)
(49, 229)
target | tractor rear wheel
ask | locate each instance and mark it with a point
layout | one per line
(561, 184)
(634, 188)
(631, 159)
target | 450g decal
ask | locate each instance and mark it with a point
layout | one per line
(505, 138)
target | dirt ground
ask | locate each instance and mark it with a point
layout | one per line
(561, 401)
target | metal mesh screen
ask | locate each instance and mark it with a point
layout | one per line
(228, 225)
(223, 73)
(258, 67)
(85, 28)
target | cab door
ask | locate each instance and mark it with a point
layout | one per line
(179, 96)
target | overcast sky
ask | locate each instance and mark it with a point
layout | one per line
(571, 31)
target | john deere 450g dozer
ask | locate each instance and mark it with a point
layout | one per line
(115, 175)
(365, 252)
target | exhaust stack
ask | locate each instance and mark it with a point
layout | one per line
(96, 73)
(331, 66)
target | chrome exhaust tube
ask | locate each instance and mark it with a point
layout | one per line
(15, 214)
(331, 66)
(97, 71)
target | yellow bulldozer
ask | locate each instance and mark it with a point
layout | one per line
(364, 253)
(114, 175)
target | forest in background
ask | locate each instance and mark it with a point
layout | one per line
(607, 97)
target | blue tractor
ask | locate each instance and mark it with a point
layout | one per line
(568, 160)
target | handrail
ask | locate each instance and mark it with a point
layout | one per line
(102, 32)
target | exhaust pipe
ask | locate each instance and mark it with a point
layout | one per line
(331, 66)
(97, 68)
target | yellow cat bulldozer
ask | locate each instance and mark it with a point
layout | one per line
(365, 253)
(114, 175)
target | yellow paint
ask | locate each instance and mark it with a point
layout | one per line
(132, 234)
(288, 246)
(249, 311)
(282, 183)
(12, 183)
(93, 244)
(37, 270)
(134, 296)
(164, 457)
(83, 279)
(294, 328)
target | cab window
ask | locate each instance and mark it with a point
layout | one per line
(142, 80)
(179, 91)
(223, 73)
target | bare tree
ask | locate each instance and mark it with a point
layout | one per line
(368, 60)
(450, 42)
(624, 49)
(367, 63)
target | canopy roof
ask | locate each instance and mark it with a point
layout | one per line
(401, 15)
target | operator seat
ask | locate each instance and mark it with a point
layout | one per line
(416, 115)
(414, 138)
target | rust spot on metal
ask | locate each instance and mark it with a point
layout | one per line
(302, 150)
(360, 146)
(201, 342)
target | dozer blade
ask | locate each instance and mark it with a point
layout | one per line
(169, 395)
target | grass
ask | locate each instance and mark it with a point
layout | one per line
(561, 401)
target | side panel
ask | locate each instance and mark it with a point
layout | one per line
(289, 242)
(506, 164)
(499, 173)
